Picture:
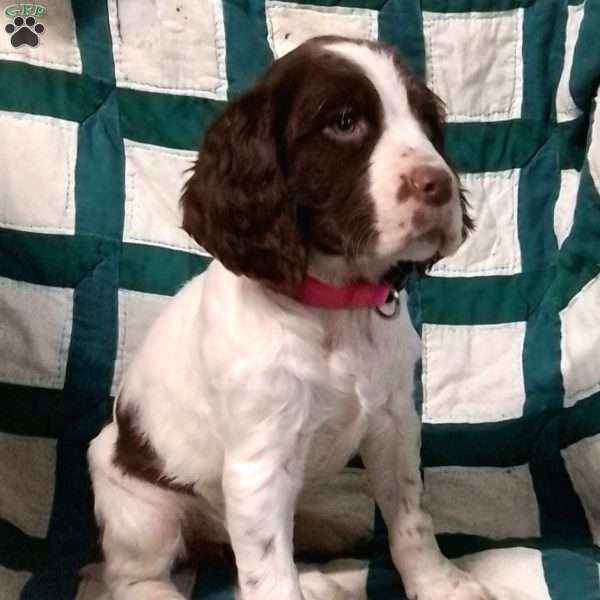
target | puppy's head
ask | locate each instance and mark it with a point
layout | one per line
(333, 157)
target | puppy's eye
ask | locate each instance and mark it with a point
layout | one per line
(345, 121)
(346, 125)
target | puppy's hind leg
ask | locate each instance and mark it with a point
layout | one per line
(140, 525)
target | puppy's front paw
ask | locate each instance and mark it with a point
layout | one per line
(455, 585)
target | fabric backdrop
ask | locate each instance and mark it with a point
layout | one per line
(98, 123)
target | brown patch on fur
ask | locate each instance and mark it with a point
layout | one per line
(327, 174)
(136, 457)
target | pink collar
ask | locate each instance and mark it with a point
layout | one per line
(361, 294)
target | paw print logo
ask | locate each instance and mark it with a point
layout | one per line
(24, 31)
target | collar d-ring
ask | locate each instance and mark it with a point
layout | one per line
(394, 301)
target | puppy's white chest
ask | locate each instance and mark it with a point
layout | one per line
(341, 402)
(343, 423)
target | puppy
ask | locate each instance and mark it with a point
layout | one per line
(275, 366)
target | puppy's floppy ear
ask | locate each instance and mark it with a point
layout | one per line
(236, 205)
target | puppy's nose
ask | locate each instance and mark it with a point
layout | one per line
(432, 185)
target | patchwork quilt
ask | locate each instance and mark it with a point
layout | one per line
(101, 107)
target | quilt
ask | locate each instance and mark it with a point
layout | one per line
(102, 105)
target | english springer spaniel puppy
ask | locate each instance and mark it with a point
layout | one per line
(270, 370)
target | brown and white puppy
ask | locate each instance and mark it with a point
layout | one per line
(240, 396)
